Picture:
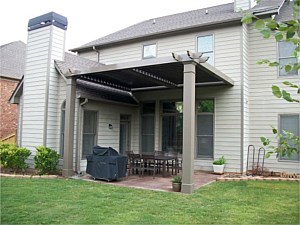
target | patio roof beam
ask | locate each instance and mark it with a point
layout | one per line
(204, 84)
(155, 78)
(104, 82)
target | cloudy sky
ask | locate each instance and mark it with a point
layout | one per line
(89, 19)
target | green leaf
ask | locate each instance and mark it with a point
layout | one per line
(274, 64)
(260, 24)
(278, 36)
(272, 24)
(248, 18)
(286, 96)
(274, 130)
(287, 68)
(282, 27)
(276, 91)
(290, 34)
(266, 32)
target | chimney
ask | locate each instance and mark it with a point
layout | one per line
(46, 42)
(243, 5)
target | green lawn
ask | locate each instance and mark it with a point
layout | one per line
(60, 201)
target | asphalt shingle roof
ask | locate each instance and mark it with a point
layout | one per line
(72, 61)
(181, 21)
(12, 59)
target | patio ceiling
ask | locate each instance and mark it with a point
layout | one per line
(147, 74)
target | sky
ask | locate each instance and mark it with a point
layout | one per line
(89, 20)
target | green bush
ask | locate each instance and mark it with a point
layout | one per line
(14, 157)
(46, 160)
(176, 179)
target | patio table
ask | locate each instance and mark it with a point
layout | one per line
(162, 158)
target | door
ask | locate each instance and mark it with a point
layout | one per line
(124, 134)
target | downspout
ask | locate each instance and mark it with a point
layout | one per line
(98, 53)
(78, 156)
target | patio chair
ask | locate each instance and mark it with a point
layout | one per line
(134, 163)
(173, 164)
(149, 164)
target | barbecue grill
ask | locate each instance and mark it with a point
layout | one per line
(106, 163)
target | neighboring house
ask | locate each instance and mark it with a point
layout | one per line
(128, 91)
(12, 64)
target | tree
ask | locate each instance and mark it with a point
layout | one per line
(290, 32)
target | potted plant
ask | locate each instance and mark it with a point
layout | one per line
(218, 165)
(176, 183)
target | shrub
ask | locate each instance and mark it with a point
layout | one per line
(46, 160)
(14, 157)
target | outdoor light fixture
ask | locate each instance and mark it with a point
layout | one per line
(110, 126)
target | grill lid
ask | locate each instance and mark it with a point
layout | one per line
(104, 151)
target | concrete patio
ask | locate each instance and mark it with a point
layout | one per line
(158, 183)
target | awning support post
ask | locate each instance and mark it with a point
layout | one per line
(188, 127)
(69, 127)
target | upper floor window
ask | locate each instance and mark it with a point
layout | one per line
(286, 56)
(149, 51)
(205, 45)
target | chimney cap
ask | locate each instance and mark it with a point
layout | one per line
(48, 19)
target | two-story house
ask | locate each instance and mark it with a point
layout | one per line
(187, 82)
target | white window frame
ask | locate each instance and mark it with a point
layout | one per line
(289, 57)
(280, 159)
(196, 130)
(82, 130)
(150, 56)
(213, 46)
(142, 115)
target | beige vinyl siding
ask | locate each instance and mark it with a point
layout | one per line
(264, 107)
(110, 114)
(57, 52)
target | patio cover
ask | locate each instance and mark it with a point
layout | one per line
(179, 71)
(148, 74)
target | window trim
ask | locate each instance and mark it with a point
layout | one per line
(278, 59)
(82, 127)
(161, 114)
(140, 127)
(149, 44)
(213, 45)
(214, 129)
(279, 128)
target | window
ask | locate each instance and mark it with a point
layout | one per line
(147, 128)
(205, 45)
(172, 126)
(286, 57)
(290, 123)
(89, 132)
(149, 51)
(62, 130)
(205, 129)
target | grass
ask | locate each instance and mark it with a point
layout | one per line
(63, 201)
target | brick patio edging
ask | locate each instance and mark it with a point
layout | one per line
(222, 179)
(29, 176)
